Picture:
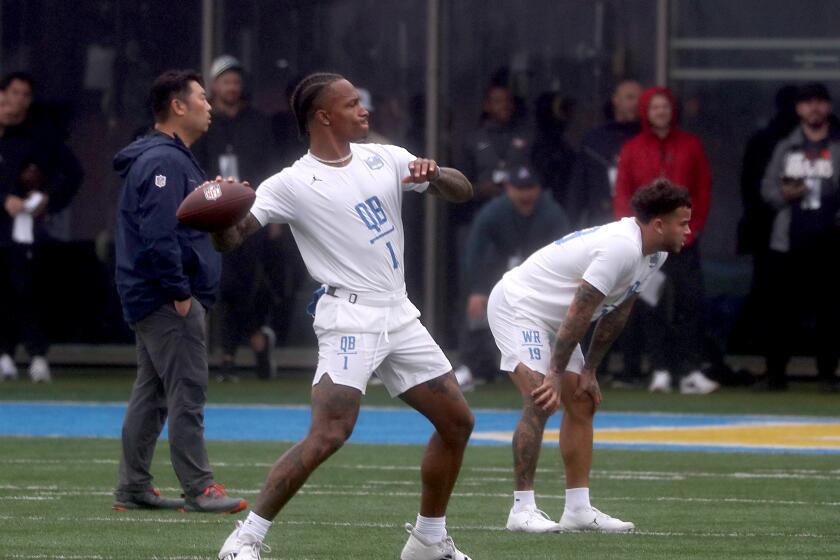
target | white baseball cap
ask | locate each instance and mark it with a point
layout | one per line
(224, 63)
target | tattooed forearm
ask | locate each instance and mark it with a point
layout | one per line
(234, 236)
(606, 331)
(574, 326)
(451, 186)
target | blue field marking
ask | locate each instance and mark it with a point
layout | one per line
(377, 425)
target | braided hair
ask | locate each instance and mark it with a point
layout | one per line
(304, 97)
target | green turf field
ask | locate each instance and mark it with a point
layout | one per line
(689, 505)
(56, 493)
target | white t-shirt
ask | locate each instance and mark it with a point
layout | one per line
(347, 221)
(608, 257)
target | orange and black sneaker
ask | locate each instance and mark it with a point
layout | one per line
(147, 499)
(214, 499)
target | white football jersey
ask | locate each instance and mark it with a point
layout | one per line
(347, 221)
(608, 257)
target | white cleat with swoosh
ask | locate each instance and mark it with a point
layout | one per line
(591, 519)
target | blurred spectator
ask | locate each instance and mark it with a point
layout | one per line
(500, 141)
(662, 149)
(366, 99)
(40, 176)
(757, 218)
(802, 183)
(282, 262)
(551, 155)
(8, 171)
(284, 129)
(239, 144)
(590, 199)
(596, 168)
(503, 234)
(754, 227)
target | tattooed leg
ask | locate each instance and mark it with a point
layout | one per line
(528, 437)
(334, 412)
(441, 401)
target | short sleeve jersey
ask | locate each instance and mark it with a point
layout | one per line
(347, 220)
(608, 257)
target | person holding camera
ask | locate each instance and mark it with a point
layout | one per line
(803, 185)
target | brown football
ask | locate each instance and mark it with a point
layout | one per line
(216, 206)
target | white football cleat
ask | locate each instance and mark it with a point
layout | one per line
(591, 519)
(418, 548)
(8, 369)
(39, 370)
(242, 546)
(660, 382)
(695, 383)
(531, 520)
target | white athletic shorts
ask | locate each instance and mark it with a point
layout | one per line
(356, 340)
(523, 340)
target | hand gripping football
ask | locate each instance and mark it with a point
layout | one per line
(216, 205)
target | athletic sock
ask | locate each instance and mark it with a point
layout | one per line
(256, 526)
(523, 499)
(433, 529)
(577, 499)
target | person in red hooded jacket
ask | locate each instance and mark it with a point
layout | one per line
(662, 149)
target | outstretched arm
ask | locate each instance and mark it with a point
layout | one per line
(445, 182)
(572, 330)
(232, 237)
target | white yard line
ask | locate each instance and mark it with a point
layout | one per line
(610, 474)
(49, 493)
(191, 520)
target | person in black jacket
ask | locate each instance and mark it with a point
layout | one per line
(505, 231)
(39, 176)
(167, 275)
(754, 226)
(593, 179)
(240, 144)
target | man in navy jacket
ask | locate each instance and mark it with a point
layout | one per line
(167, 275)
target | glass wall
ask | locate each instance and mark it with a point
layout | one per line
(726, 62)
(94, 59)
(93, 62)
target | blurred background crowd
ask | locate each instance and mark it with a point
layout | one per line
(557, 110)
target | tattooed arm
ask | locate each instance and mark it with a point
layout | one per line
(451, 185)
(606, 331)
(572, 330)
(445, 182)
(232, 237)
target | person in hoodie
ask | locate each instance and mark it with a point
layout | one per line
(802, 184)
(167, 275)
(663, 150)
